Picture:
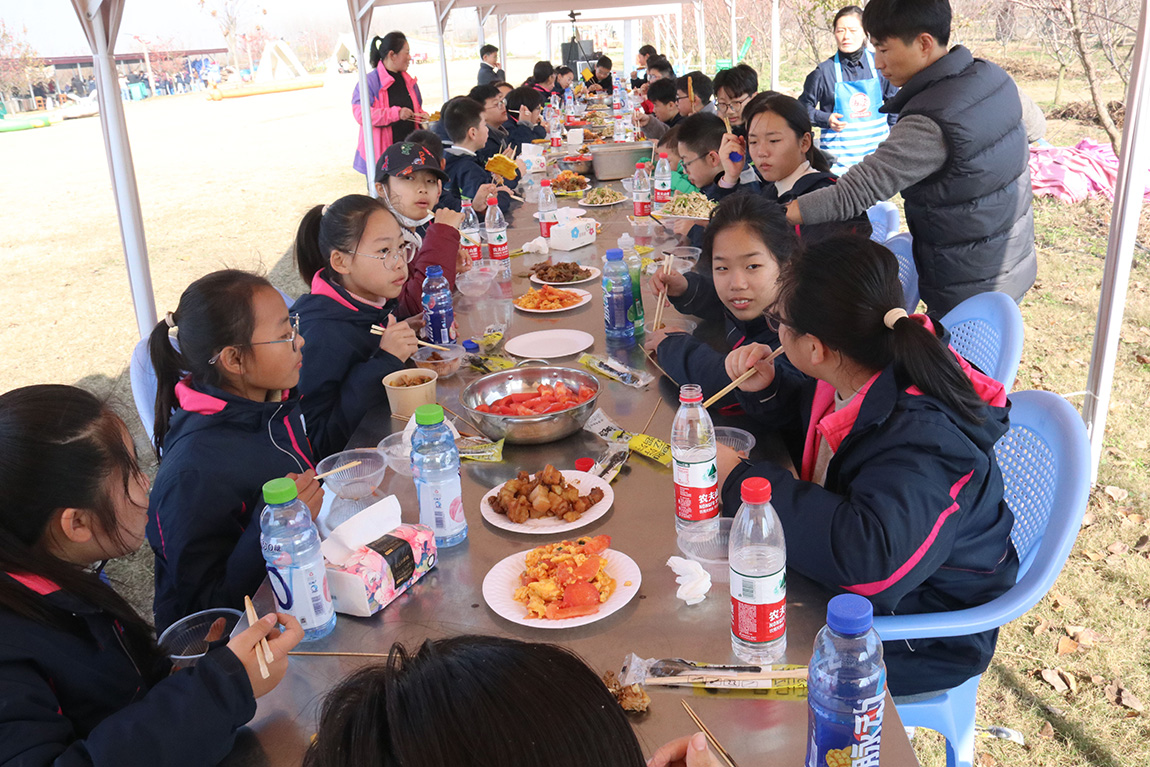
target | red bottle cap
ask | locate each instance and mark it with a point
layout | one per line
(584, 464)
(640, 165)
(492, 200)
(546, 182)
(662, 155)
(756, 490)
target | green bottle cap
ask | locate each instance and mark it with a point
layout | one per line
(280, 490)
(426, 415)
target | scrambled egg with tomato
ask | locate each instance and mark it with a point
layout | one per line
(566, 579)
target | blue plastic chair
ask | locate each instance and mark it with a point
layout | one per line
(884, 220)
(987, 330)
(1045, 462)
(902, 247)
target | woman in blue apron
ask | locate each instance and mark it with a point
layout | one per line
(843, 95)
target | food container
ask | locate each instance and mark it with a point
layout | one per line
(447, 364)
(615, 161)
(739, 440)
(582, 166)
(672, 325)
(185, 641)
(528, 429)
(397, 450)
(685, 257)
(403, 398)
(358, 481)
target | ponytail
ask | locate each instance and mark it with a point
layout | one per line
(392, 42)
(796, 117)
(840, 290)
(335, 227)
(215, 312)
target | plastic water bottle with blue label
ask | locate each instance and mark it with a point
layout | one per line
(438, 312)
(290, 544)
(635, 268)
(435, 466)
(617, 298)
(569, 100)
(846, 687)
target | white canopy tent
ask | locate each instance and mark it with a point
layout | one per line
(100, 20)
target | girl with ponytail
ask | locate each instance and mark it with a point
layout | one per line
(228, 419)
(392, 96)
(355, 256)
(899, 496)
(75, 655)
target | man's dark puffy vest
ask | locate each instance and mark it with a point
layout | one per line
(972, 221)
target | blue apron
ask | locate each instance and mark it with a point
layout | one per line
(866, 127)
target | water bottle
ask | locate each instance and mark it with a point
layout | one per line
(569, 100)
(435, 467)
(547, 208)
(694, 468)
(758, 562)
(554, 102)
(620, 134)
(635, 269)
(496, 226)
(555, 127)
(438, 313)
(290, 544)
(617, 95)
(641, 190)
(662, 182)
(469, 232)
(617, 298)
(846, 687)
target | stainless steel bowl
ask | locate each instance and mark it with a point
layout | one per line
(582, 167)
(615, 161)
(528, 429)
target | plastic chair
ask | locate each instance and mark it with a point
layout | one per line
(902, 245)
(884, 220)
(987, 330)
(1045, 462)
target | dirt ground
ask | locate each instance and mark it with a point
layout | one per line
(224, 184)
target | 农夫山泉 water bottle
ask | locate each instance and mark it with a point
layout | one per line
(617, 298)
(290, 544)
(846, 687)
(694, 467)
(662, 182)
(641, 190)
(435, 468)
(469, 232)
(547, 208)
(757, 556)
(438, 311)
(496, 226)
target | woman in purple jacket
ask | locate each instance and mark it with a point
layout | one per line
(394, 98)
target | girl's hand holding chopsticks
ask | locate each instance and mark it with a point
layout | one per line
(247, 644)
(688, 751)
(398, 339)
(671, 283)
(743, 359)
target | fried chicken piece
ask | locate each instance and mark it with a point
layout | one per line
(550, 475)
(519, 511)
(595, 495)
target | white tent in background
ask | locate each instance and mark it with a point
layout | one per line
(278, 62)
(344, 50)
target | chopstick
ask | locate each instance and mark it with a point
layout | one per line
(458, 417)
(658, 401)
(668, 259)
(656, 364)
(711, 738)
(377, 330)
(731, 386)
(399, 417)
(339, 654)
(263, 651)
(337, 469)
(695, 679)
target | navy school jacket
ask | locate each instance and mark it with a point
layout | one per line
(811, 182)
(203, 511)
(465, 174)
(343, 366)
(911, 514)
(519, 134)
(76, 698)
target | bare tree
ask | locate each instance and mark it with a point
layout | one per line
(19, 62)
(1113, 24)
(229, 14)
(809, 26)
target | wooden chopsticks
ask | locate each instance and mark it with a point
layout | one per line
(680, 680)
(651, 359)
(722, 752)
(741, 379)
(668, 261)
(378, 330)
(337, 469)
(263, 652)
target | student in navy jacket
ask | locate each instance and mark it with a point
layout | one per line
(899, 496)
(524, 110)
(746, 244)
(82, 682)
(354, 254)
(466, 176)
(227, 420)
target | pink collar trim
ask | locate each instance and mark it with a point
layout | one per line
(321, 287)
(991, 392)
(830, 424)
(37, 583)
(196, 401)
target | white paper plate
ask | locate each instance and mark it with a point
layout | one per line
(501, 581)
(595, 274)
(586, 204)
(549, 344)
(553, 525)
(575, 213)
(584, 299)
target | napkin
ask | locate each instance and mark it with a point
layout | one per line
(538, 245)
(694, 582)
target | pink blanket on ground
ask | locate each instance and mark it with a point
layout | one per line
(1073, 174)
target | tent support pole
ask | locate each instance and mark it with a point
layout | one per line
(360, 24)
(734, 35)
(701, 34)
(442, 11)
(775, 35)
(1128, 193)
(479, 15)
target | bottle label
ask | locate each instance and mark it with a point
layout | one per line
(759, 606)
(616, 305)
(662, 189)
(850, 741)
(497, 247)
(441, 506)
(303, 593)
(556, 140)
(438, 321)
(471, 246)
(642, 203)
(545, 226)
(696, 490)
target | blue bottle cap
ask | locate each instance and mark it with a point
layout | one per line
(435, 270)
(470, 346)
(850, 614)
(614, 254)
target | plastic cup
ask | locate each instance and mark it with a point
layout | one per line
(185, 641)
(358, 481)
(397, 450)
(739, 440)
(404, 399)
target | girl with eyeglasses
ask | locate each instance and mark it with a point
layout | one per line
(228, 419)
(82, 681)
(355, 256)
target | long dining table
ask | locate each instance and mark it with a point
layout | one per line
(758, 729)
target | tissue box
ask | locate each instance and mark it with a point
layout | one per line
(534, 164)
(572, 234)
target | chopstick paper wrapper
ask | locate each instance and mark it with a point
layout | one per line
(638, 670)
(601, 425)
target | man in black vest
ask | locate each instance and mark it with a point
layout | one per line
(958, 154)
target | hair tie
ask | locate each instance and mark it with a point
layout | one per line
(323, 212)
(894, 315)
(170, 319)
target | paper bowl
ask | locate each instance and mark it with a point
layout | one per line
(404, 395)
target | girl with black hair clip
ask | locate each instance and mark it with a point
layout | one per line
(227, 420)
(82, 681)
(899, 496)
(394, 98)
(354, 254)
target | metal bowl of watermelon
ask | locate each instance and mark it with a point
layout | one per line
(513, 404)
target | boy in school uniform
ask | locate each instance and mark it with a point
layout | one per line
(524, 114)
(466, 177)
(734, 87)
(670, 144)
(601, 80)
(495, 115)
(664, 110)
(489, 71)
(700, 137)
(958, 154)
(696, 97)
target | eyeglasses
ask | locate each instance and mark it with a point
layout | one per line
(774, 321)
(687, 163)
(391, 258)
(730, 105)
(293, 319)
(683, 98)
